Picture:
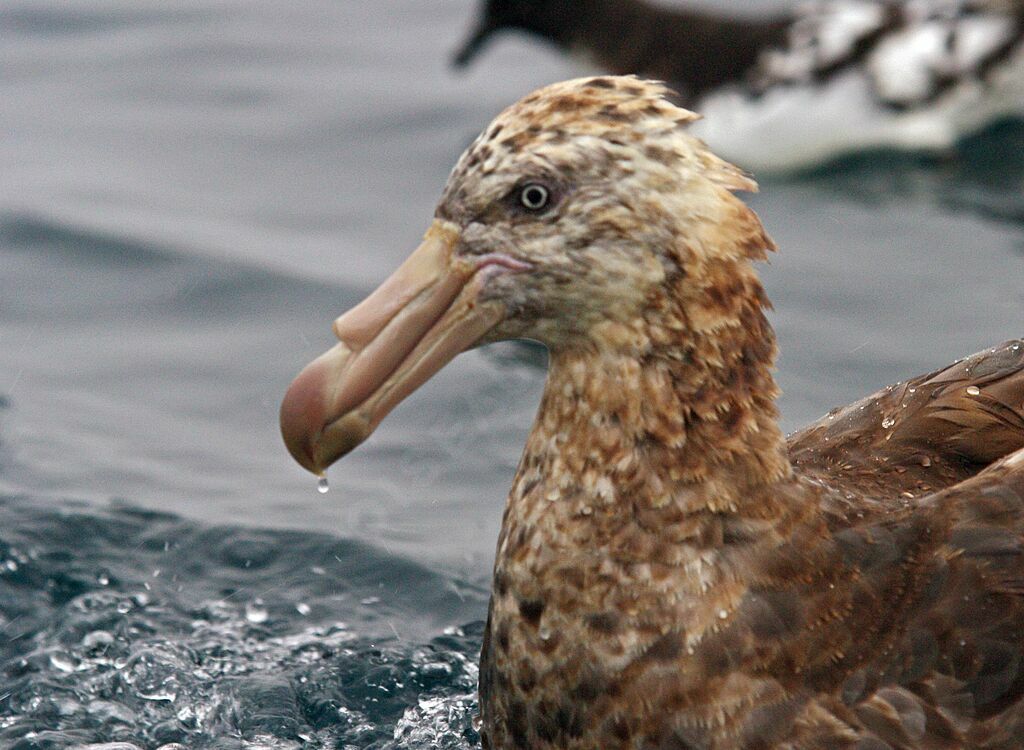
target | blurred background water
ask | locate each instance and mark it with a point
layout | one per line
(190, 192)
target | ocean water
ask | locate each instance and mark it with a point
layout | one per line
(189, 194)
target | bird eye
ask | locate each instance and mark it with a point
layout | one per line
(534, 197)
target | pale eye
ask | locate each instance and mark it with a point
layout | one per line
(534, 197)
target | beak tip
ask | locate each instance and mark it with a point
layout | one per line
(316, 430)
(390, 344)
(302, 416)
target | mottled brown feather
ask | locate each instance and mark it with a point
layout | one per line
(670, 572)
(923, 435)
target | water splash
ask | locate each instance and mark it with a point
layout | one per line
(255, 636)
(161, 676)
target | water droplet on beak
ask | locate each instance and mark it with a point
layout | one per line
(322, 486)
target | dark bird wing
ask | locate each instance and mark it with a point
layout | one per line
(918, 642)
(917, 604)
(915, 438)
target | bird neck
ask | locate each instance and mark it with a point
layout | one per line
(676, 405)
(656, 470)
(691, 423)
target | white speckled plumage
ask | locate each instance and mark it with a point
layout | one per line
(672, 573)
(831, 78)
(922, 84)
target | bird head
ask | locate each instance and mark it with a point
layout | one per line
(583, 217)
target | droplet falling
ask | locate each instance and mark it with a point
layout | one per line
(322, 486)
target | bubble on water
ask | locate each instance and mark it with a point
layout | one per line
(438, 722)
(153, 672)
(193, 716)
(150, 670)
(64, 662)
(256, 613)
(97, 640)
(109, 712)
(159, 695)
(322, 485)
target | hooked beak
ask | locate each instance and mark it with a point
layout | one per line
(392, 342)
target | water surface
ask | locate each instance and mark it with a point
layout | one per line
(189, 194)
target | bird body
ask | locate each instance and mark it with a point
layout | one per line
(671, 572)
(826, 608)
(829, 78)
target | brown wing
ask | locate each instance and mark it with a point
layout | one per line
(938, 661)
(921, 436)
(904, 631)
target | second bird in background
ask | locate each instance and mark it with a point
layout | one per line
(798, 88)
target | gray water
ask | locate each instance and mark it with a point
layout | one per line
(189, 194)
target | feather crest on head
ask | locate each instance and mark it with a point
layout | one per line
(600, 113)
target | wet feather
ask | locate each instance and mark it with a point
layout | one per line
(671, 571)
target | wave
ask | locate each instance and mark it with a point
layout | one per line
(985, 176)
(25, 230)
(137, 626)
